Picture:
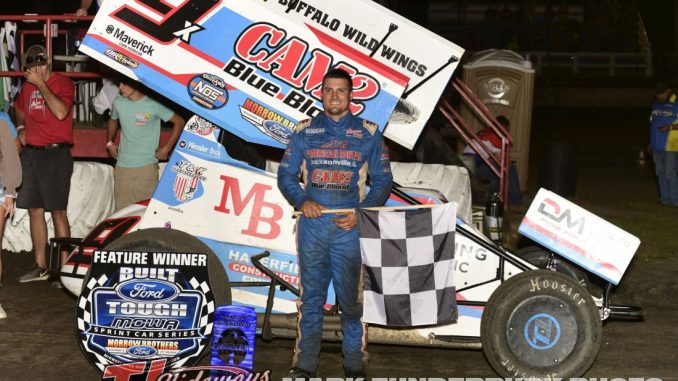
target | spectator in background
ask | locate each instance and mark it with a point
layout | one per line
(138, 116)
(103, 101)
(45, 106)
(10, 179)
(664, 117)
(490, 139)
(85, 7)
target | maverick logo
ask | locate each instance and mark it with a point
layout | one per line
(551, 209)
(121, 58)
(131, 42)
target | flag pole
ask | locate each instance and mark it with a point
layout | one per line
(379, 208)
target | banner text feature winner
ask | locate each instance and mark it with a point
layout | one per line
(238, 64)
(139, 306)
(579, 236)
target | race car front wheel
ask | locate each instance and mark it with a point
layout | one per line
(541, 324)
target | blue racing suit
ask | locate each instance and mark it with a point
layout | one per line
(334, 159)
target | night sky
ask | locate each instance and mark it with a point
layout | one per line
(658, 15)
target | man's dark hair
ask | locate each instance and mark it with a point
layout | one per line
(504, 121)
(661, 87)
(339, 73)
(136, 85)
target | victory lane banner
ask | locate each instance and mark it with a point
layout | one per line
(143, 306)
(237, 63)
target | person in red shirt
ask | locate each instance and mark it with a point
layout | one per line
(492, 141)
(45, 119)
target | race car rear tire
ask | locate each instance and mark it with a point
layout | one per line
(539, 257)
(540, 323)
(171, 240)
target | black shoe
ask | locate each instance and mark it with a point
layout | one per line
(355, 373)
(298, 373)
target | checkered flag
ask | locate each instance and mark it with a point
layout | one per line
(408, 266)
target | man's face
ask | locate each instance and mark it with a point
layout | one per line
(663, 97)
(336, 97)
(41, 70)
(126, 90)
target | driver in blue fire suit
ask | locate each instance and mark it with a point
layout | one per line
(334, 153)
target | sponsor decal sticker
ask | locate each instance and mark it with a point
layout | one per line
(267, 121)
(354, 133)
(200, 126)
(208, 91)
(145, 306)
(187, 180)
(125, 40)
(121, 58)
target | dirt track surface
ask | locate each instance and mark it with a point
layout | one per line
(38, 342)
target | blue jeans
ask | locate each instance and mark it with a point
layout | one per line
(515, 196)
(666, 168)
(326, 253)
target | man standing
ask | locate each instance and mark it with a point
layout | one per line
(334, 153)
(45, 119)
(664, 118)
(136, 171)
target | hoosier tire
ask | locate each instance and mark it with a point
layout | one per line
(170, 240)
(540, 323)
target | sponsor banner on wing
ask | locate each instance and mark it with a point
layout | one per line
(579, 235)
(222, 202)
(426, 59)
(237, 63)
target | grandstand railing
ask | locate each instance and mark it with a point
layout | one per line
(47, 30)
(498, 166)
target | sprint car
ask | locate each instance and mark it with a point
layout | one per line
(530, 311)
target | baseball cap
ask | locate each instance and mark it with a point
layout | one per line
(35, 56)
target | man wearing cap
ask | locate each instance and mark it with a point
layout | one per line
(45, 119)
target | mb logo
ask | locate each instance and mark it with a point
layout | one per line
(552, 210)
(262, 214)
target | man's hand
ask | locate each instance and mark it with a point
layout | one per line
(347, 222)
(311, 209)
(34, 77)
(81, 12)
(112, 151)
(8, 208)
(21, 139)
(162, 153)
